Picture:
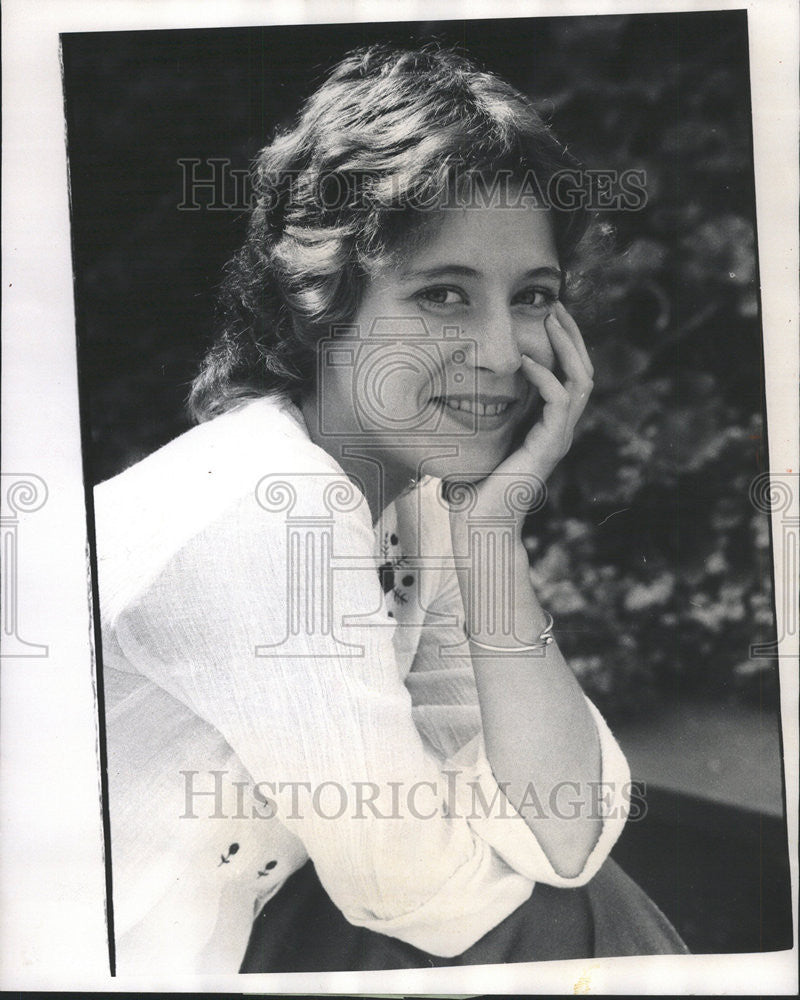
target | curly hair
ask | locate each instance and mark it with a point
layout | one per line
(387, 139)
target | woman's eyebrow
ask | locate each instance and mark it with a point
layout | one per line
(440, 270)
(470, 272)
(545, 272)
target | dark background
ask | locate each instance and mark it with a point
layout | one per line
(649, 553)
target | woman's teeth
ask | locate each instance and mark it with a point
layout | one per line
(473, 406)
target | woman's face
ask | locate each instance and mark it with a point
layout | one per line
(428, 378)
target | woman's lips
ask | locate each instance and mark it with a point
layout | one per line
(478, 411)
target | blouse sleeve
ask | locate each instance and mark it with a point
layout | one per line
(273, 629)
(445, 703)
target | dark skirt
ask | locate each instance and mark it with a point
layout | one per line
(301, 930)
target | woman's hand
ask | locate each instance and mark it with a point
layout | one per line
(528, 467)
(537, 726)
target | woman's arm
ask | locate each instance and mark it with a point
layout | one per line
(539, 734)
(538, 729)
(329, 733)
(447, 711)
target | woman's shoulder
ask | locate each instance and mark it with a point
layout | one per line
(216, 463)
(238, 465)
(253, 431)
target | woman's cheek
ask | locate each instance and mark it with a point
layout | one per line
(393, 388)
(536, 344)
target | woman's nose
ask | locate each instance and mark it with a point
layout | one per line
(503, 340)
(496, 345)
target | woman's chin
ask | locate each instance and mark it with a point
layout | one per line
(466, 468)
(474, 464)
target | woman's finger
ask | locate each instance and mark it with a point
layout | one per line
(551, 430)
(547, 383)
(573, 330)
(546, 442)
(567, 353)
(578, 381)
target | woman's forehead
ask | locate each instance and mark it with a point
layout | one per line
(483, 239)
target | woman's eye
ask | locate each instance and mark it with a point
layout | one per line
(440, 297)
(537, 298)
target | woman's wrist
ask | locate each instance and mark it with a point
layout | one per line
(501, 608)
(511, 643)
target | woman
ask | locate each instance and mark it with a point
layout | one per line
(333, 699)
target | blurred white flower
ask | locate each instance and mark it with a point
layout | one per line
(645, 595)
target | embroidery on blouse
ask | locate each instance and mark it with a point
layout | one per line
(225, 859)
(394, 562)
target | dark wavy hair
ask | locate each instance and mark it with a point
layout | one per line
(387, 139)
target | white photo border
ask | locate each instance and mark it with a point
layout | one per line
(52, 874)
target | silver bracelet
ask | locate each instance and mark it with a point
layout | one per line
(545, 638)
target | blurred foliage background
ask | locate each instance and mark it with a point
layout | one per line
(649, 553)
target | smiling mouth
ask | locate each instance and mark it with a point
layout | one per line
(475, 406)
(483, 408)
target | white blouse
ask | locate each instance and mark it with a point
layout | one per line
(284, 680)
